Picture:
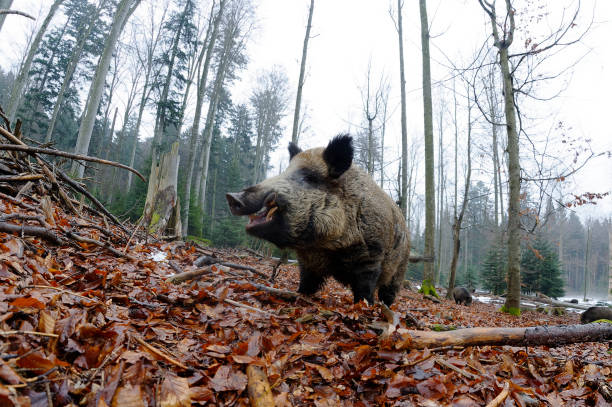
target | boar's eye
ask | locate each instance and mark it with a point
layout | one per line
(311, 177)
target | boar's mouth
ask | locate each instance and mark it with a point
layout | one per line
(259, 213)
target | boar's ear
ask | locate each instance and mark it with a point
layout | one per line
(293, 150)
(339, 155)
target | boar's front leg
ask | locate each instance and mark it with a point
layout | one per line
(310, 282)
(363, 281)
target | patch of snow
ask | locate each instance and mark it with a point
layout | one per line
(158, 256)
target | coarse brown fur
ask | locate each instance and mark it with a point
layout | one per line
(336, 218)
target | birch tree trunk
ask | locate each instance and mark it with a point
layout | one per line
(72, 65)
(404, 186)
(124, 9)
(195, 129)
(4, 5)
(24, 71)
(430, 197)
(298, 98)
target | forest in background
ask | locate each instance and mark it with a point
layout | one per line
(170, 53)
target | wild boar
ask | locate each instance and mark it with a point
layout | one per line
(336, 218)
(462, 296)
(595, 314)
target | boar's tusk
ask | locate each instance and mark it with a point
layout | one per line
(271, 212)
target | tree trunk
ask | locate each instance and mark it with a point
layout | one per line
(550, 336)
(512, 304)
(586, 261)
(404, 186)
(459, 218)
(195, 129)
(24, 71)
(298, 98)
(162, 209)
(610, 258)
(4, 5)
(124, 10)
(438, 256)
(430, 197)
(72, 65)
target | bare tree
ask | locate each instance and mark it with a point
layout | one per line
(207, 48)
(430, 197)
(24, 70)
(146, 57)
(125, 8)
(458, 218)
(372, 101)
(85, 31)
(298, 98)
(404, 161)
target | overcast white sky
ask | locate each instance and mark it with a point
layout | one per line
(347, 34)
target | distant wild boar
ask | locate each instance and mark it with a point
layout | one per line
(595, 314)
(462, 296)
(339, 222)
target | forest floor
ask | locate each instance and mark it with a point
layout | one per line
(94, 322)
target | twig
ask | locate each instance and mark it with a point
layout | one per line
(241, 305)
(285, 294)
(18, 178)
(455, 368)
(106, 246)
(110, 357)
(19, 13)
(190, 275)
(202, 260)
(159, 353)
(7, 333)
(34, 150)
(18, 202)
(497, 401)
(64, 291)
(30, 230)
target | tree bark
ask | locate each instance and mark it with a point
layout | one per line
(24, 71)
(124, 10)
(195, 129)
(298, 98)
(430, 197)
(162, 211)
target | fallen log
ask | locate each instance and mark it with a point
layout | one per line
(260, 394)
(544, 335)
(556, 303)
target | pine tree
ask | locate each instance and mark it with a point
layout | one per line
(493, 271)
(541, 269)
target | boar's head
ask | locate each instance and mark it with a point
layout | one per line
(302, 206)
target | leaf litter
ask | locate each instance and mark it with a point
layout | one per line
(81, 324)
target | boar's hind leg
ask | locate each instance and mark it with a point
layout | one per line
(387, 292)
(310, 282)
